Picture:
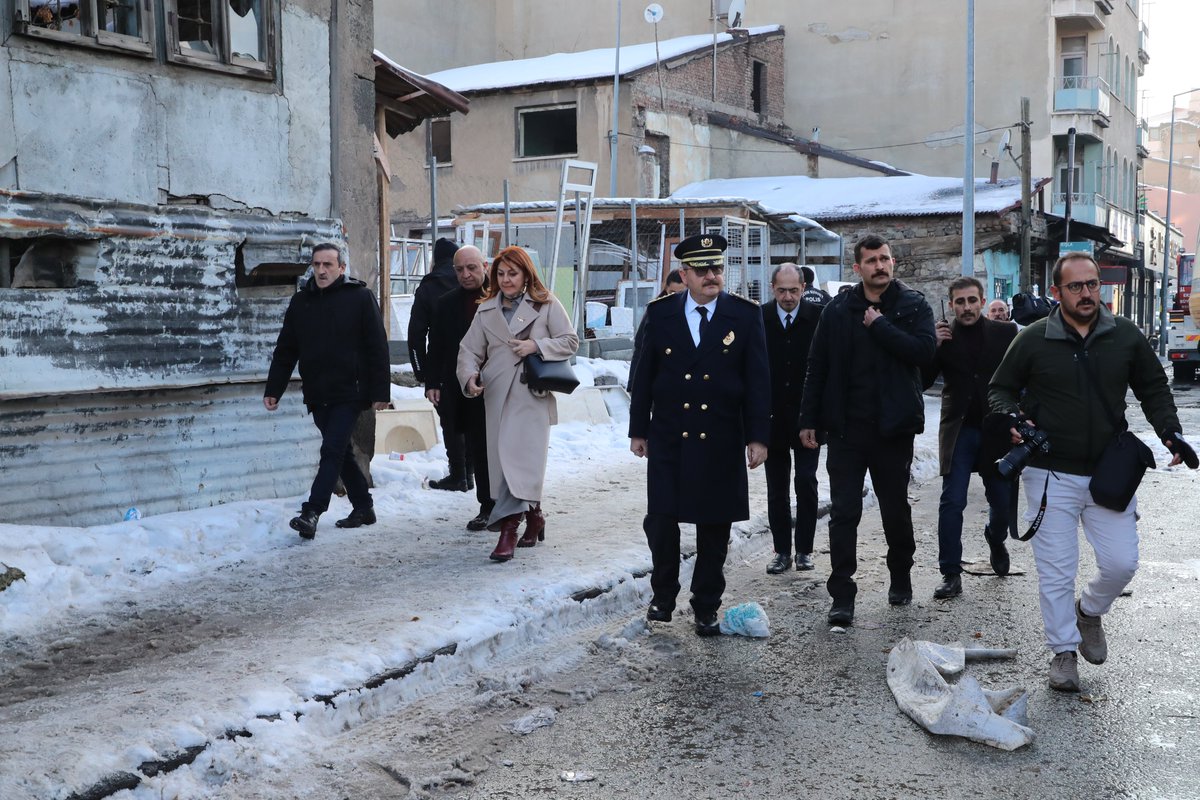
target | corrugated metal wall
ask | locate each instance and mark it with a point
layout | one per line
(85, 459)
(141, 385)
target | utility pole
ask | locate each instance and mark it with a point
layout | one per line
(1026, 198)
(968, 222)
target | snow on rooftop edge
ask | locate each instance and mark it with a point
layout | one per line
(561, 67)
(825, 198)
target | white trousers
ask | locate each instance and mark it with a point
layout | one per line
(1112, 535)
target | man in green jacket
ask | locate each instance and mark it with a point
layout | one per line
(1063, 364)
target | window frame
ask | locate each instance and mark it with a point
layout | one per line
(89, 35)
(429, 150)
(224, 60)
(523, 111)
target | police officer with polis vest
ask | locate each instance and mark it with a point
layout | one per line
(700, 414)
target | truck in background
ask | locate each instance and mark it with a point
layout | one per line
(1183, 330)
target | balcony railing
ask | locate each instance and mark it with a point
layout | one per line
(1082, 94)
(1089, 207)
(1144, 45)
(1143, 138)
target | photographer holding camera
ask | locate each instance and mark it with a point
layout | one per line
(1048, 373)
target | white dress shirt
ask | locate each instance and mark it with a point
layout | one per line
(693, 316)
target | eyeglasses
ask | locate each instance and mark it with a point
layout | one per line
(702, 271)
(1075, 287)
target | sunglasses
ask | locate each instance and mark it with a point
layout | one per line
(703, 271)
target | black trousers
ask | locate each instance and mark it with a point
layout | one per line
(779, 507)
(708, 576)
(889, 461)
(336, 424)
(474, 428)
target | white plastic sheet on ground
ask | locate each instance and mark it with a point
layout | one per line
(915, 675)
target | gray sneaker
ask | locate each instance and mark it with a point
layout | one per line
(1064, 673)
(1094, 647)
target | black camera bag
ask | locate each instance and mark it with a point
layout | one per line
(1119, 471)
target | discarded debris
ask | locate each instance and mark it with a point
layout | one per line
(996, 718)
(541, 717)
(9, 576)
(747, 619)
(575, 776)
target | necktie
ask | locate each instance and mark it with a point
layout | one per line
(787, 322)
(703, 319)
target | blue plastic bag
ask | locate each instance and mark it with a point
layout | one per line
(747, 619)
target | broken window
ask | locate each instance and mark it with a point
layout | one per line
(267, 270)
(47, 262)
(758, 89)
(119, 23)
(546, 131)
(222, 33)
(439, 140)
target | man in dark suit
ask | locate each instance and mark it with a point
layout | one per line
(789, 323)
(968, 352)
(699, 413)
(461, 416)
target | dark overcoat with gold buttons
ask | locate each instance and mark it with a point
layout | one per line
(698, 407)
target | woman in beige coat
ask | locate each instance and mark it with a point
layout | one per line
(516, 317)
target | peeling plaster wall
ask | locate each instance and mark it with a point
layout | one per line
(88, 125)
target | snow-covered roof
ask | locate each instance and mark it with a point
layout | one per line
(811, 228)
(825, 199)
(589, 64)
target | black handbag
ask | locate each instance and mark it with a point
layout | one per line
(1123, 463)
(548, 376)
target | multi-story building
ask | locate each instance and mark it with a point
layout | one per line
(886, 79)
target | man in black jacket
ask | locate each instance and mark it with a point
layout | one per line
(333, 328)
(461, 415)
(864, 389)
(790, 323)
(441, 279)
(968, 352)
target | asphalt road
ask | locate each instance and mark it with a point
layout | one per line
(808, 711)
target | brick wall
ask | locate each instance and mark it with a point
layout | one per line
(928, 250)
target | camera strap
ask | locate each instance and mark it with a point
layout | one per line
(1037, 521)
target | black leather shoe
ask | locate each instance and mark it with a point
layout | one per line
(900, 596)
(357, 518)
(841, 614)
(707, 625)
(781, 563)
(449, 484)
(999, 552)
(951, 587)
(657, 613)
(306, 523)
(804, 562)
(479, 521)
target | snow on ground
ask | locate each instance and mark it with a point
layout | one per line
(296, 622)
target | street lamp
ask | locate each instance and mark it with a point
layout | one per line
(1162, 323)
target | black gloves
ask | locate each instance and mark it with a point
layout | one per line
(1179, 447)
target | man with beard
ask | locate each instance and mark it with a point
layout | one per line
(864, 388)
(968, 352)
(461, 416)
(1063, 372)
(700, 404)
(790, 323)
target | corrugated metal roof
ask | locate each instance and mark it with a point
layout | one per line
(412, 98)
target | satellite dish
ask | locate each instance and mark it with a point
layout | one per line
(1004, 140)
(736, 14)
(653, 13)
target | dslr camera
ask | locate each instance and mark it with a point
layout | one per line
(1033, 441)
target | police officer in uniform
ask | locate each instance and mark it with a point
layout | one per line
(700, 414)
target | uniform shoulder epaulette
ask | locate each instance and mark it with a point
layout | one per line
(655, 300)
(754, 303)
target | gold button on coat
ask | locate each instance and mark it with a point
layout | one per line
(704, 406)
(705, 377)
(687, 377)
(667, 351)
(686, 406)
(704, 436)
(685, 434)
